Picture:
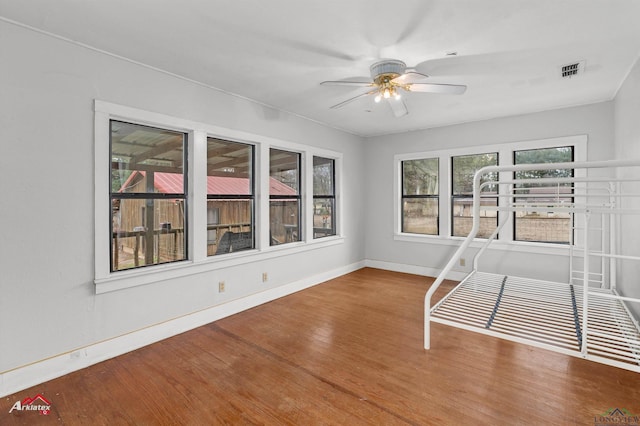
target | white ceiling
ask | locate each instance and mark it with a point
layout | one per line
(509, 52)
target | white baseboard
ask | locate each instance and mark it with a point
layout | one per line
(413, 269)
(24, 377)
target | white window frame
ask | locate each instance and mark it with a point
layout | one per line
(312, 198)
(578, 218)
(505, 157)
(302, 189)
(453, 197)
(308, 195)
(403, 197)
(253, 188)
(198, 262)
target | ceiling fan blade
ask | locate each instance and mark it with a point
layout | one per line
(343, 103)
(453, 89)
(348, 83)
(398, 107)
(316, 49)
(410, 77)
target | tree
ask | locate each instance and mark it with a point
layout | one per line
(465, 167)
(544, 156)
(323, 176)
(420, 177)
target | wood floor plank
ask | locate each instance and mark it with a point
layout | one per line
(348, 352)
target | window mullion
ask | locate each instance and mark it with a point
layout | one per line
(307, 205)
(198, 195)
(506, 233)
(262, 195)
(444, 204)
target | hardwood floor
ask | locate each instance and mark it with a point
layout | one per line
(346, 352)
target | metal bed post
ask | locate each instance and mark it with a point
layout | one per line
(454, 259)
(501, 222)
(585, 283)
(614, 190)
(603, 248)
(572, 215)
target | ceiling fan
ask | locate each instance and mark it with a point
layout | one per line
(392, 77)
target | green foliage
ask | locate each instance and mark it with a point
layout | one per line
(464, 168)
(323, 176)
(420, 177)
(544, 156)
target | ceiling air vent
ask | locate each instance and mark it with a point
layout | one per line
(571, 70)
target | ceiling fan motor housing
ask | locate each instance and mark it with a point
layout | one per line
(390, 68)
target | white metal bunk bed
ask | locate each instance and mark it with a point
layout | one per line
(582, 316)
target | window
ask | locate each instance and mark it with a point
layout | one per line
(457, 168)
(420, 196)
(230, 197)
(171, 198)
(543, 227)
(148, 195)
(324, 197)
(284, 196)
(463, 168)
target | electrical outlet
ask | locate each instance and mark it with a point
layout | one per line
(265, 277)
(221, 287)
(463, 261)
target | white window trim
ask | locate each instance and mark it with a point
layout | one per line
(302, 188)
(505, 157)
(198, 261)
(398, 196)
(337, 173)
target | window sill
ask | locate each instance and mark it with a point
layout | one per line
(512, 246)
(138, 277)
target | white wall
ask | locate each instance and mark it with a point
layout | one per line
(595, 121)
(48, 304)
(627, 138)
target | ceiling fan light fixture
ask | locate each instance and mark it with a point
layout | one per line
(390, 78)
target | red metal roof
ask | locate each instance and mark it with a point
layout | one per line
(278, 188)
(171, 183)
(227, 185)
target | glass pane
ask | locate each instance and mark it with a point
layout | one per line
(463, 217)
(420, 177)
(562, 154)
(464, 168)
(146, 232)
(284, 224)
(420, 216)
(323, 225)
(145, 159)
(229, 227)
(229, 167)
(323, 176)
(284, 170)
(543, 225)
